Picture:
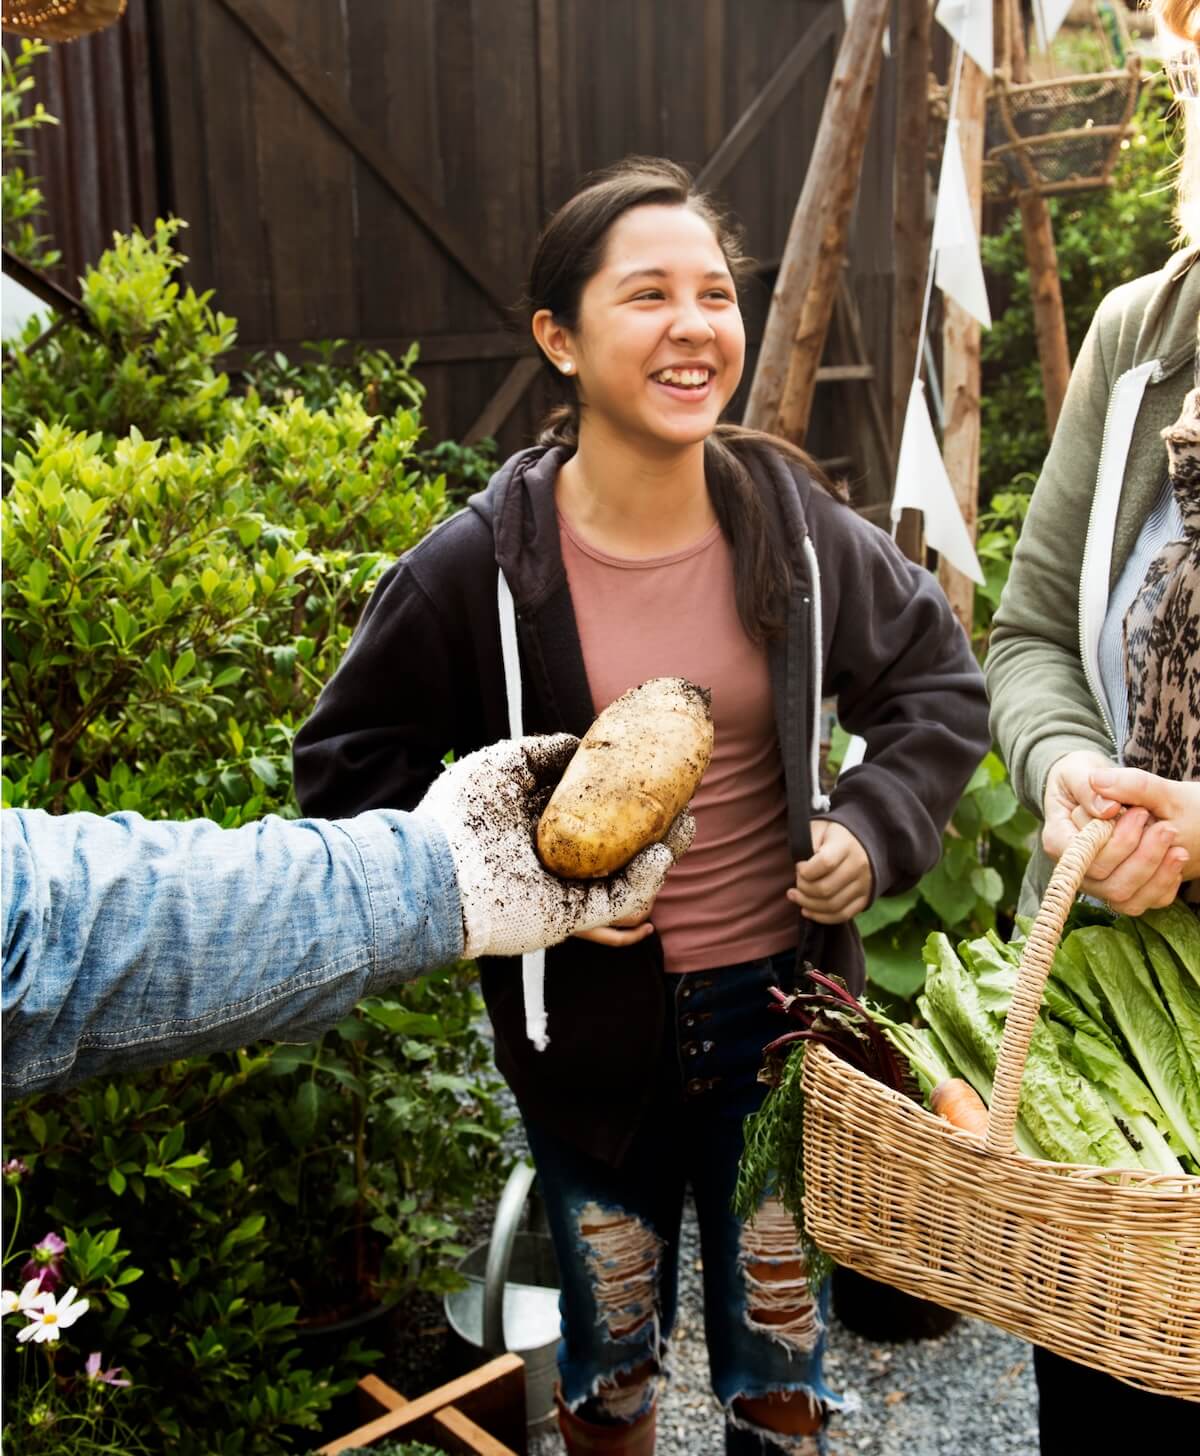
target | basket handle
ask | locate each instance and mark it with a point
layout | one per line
(1036, 960)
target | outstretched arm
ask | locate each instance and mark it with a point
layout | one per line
(129, 941)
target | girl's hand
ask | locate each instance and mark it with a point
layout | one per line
(833, 885)
(621, 932)
(1141, 866)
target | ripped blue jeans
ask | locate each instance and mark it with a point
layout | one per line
(616, 1231)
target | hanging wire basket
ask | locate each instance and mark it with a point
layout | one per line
(1058, 135)
(60, 19)
(1051, 137)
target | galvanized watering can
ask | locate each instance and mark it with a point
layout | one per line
(511, 1299)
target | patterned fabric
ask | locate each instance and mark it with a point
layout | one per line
(1162, 627)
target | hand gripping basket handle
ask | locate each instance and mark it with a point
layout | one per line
(1036, 960)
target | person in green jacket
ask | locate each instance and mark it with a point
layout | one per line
(1093, 668)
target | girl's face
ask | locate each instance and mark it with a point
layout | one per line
(660, 345)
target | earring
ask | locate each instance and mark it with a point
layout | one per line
(567, 367)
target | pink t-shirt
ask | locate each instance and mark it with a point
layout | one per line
(676, 616)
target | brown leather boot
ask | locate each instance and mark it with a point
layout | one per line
(583, 1438)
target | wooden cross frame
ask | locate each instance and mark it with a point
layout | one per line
(479, 1414)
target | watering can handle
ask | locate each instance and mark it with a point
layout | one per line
(504, 1233)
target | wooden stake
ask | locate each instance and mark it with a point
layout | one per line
(960, 352)
(782, 391)
(1049, 316)
(910, 227)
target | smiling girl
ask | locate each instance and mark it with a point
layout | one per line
(639, 538)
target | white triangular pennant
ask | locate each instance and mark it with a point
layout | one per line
(923, 485)
(958, 268)
(970, 23)
(1048, 16)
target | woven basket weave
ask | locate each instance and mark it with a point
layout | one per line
(60, 19)
(1101, 1266)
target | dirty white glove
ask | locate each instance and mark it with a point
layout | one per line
(488, 805)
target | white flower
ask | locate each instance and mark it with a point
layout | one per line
(31, 1297)
(52, 1316)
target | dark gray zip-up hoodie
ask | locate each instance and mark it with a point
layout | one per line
(424, 674)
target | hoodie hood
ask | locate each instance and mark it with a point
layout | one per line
(519, 508)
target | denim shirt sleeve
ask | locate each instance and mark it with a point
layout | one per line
(131, 941)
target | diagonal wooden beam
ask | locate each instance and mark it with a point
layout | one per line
(505, 400)
(746, 129)
(44, 288)
(280, 49)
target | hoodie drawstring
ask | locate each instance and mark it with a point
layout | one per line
(819, 801)
(533, 963)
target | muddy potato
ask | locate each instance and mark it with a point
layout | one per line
(636, 767)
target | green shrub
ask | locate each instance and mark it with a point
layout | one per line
(146, 363)
(20, 195)
(386, 384)
(184, 566)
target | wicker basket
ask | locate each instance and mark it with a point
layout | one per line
(60, 19)
(1098, 1265)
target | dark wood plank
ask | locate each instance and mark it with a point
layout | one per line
(402, 273)
(226, 85)
(554, 184)
(305, 183)
(502, 203)
(138, 58)
(187, 183)
(277, 45)
(714, 68)
(762, 109)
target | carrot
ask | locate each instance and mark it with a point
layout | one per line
(959, 1103)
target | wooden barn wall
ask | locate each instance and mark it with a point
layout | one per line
(492, 110)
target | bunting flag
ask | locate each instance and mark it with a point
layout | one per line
(959, 268)
(970, 23)
(1048, 16)
(923, 485)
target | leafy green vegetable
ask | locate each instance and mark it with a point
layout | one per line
(1180, 928)
(1115, 960)
(1183, 1003)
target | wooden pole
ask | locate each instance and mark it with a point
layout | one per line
(782, 390)
(960, 354)
(1037, 231)
(910, 226)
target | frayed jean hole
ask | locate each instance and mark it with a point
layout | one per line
(623, 1257)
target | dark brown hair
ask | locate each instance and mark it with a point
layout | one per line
(569, 252)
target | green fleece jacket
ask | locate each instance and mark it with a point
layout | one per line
(1101, 478)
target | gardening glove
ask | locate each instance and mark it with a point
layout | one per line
(488, 805)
